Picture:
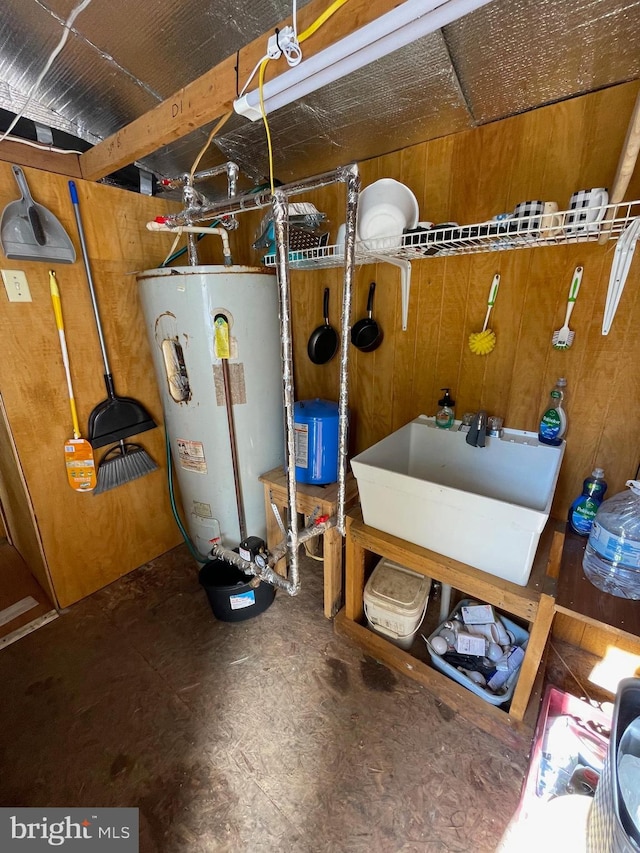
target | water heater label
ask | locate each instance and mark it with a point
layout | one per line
(244, 599)
(191, 456)
(301, 444)
(202, 510)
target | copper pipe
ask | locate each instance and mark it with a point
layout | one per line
(242, 523)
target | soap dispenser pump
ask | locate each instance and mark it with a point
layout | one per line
(445, 415)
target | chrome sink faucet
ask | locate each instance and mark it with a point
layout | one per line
(478, 430)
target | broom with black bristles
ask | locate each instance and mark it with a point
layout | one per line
(116, 418)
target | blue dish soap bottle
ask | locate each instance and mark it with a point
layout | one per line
(583, 510)
(445, 416)
(553, 423)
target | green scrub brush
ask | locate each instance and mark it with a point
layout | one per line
(563, 338)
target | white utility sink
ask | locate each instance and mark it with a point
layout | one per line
(485, 506)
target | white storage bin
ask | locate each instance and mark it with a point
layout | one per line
(395, 601)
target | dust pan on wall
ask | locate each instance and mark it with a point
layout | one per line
(30, 232)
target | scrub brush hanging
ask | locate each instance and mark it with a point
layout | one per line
(481, 343)
(563, 337)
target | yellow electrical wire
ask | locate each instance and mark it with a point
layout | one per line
(263, 65)
(320, 20)
(311, 29)
(225, 118)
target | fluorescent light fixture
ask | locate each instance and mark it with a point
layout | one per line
(398, 28)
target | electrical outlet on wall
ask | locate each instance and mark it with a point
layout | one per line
(15, 283)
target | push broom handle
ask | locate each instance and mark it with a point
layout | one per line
(626, 165)
(85, 257)
(57, 310)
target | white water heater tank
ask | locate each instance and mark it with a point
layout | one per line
(195, 317)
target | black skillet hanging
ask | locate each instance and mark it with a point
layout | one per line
(323, 343)
(366, 334)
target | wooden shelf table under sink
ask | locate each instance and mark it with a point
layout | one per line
(311, 498)
(533, 603)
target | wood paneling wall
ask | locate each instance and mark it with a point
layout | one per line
(90, 540)
(18, 510)
(87, 540)
(466, 178)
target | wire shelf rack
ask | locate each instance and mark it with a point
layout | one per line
(584, 225)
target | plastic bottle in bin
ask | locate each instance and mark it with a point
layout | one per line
(612, 556)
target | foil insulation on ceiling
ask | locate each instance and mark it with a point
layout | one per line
(89, 94)
(511, 57)
(165, 44)
(122, 59)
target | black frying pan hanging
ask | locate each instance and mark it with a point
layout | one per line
(323, 343)
(366, 335)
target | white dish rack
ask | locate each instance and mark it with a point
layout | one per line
(493, 236)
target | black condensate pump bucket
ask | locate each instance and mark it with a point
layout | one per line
(232, 594)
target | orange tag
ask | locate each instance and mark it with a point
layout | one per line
(81, 466)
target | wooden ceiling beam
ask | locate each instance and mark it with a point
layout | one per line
(212, 95)
(49, 161)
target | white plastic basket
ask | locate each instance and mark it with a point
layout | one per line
(521, 639)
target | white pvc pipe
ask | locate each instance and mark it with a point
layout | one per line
(195, 229)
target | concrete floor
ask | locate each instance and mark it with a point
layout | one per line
(267, 735)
